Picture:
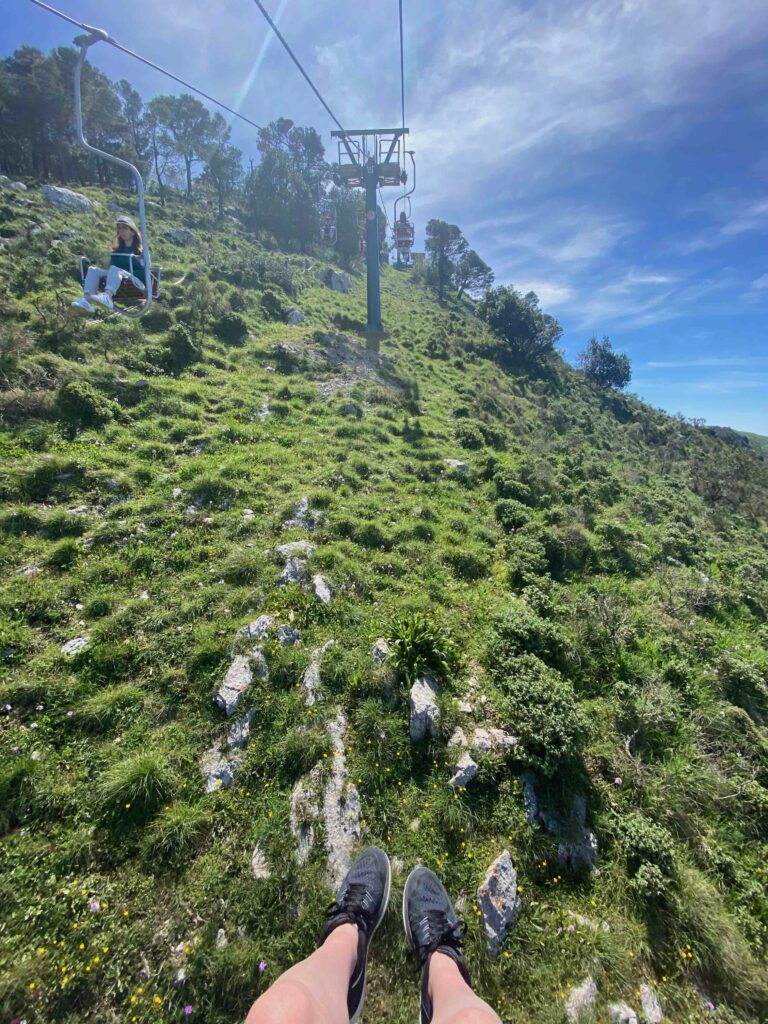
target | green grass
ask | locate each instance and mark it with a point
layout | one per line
(588, 532)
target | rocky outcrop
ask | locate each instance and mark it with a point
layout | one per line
(322, 589)
(424, 712)
(498, 901)
(259, 865)
(621, 1013)
(311, 681)
(466, 770)
(65, 198)
(580, 1004)
(337, 282)
(73, 647)
(457, 466)
(181, 236)
(240, 675)
(652, 1012)
(219, 769)
(303, 517)
(341, 807)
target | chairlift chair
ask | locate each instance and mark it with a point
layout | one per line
(130, 301)
(402, 230)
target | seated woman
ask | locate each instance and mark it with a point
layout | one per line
(126, 263)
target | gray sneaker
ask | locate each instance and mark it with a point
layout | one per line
(83, 305)
(431, 926)
(362, 900)
(104, 300)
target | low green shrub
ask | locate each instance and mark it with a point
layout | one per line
(181, 348)
(539, 706)
(175, 833)
(231, 328)
(135, 787)
(518, 629)
(649, 851)
(79, 404)
(511, 513)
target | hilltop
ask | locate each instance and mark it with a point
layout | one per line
(585, 577)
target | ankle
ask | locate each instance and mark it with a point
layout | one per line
(443, 970)
(342, 938)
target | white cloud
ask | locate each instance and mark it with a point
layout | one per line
(550, 293)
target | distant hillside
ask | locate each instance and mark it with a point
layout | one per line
(195, 505)
(757, 442)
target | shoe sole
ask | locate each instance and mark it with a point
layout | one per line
(382, 912)
(406, 923)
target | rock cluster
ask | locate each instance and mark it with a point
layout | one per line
(424, 712)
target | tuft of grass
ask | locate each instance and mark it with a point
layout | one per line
(418, 646)
(176, 832)
(136, 786)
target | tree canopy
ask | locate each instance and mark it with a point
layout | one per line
(604, 367)
(526, 334)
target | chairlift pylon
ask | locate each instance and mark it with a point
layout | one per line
(127, 291)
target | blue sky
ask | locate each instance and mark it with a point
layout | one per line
(610, 154)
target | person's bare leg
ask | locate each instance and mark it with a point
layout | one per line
(315, 990)
(453, 1001)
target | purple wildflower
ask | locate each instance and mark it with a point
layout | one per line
(262, 966)
(617, 781)
(95, 906)
(187, 1010)
(70, 713)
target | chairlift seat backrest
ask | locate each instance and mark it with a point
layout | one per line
(127, 290)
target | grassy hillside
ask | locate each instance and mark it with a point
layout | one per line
(596, 582)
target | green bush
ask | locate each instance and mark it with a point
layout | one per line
(156, 319)
(540, 708)
(232, 329)
(274, 305)
(79, 404)
(181, 348)
(744, 684)
(469, 562)
(649, 851)
(20, 520)
(509, 485)
(516, 630)
(469, 435)
(511, 513)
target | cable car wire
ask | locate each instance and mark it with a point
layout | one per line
(402, 65)
(149, 63)
(297, 62)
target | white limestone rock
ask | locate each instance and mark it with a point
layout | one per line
(341, 807)
(65, 198)
(580, 1004)
(621, 1013)
(239, 677)
(221, 939)
(304, 813)
(257, 629)
(181, 236)
(322, 589)
(380, 652)
(295, 548)
(466, 770)
(287, 636)
(498, 901)
(294, 571)
(240, 731)
(482, 742)
(311, 679)
(295, 316)
(264, 411)
(465, 707)
(219, 771)
(424, 712)
(259, 865)
(652, 1012)
(304, 518)
(457, 466)
(75, 646)
(459, 738)
(502, 741)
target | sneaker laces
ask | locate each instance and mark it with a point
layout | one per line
(353, 905)
(435, 931)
